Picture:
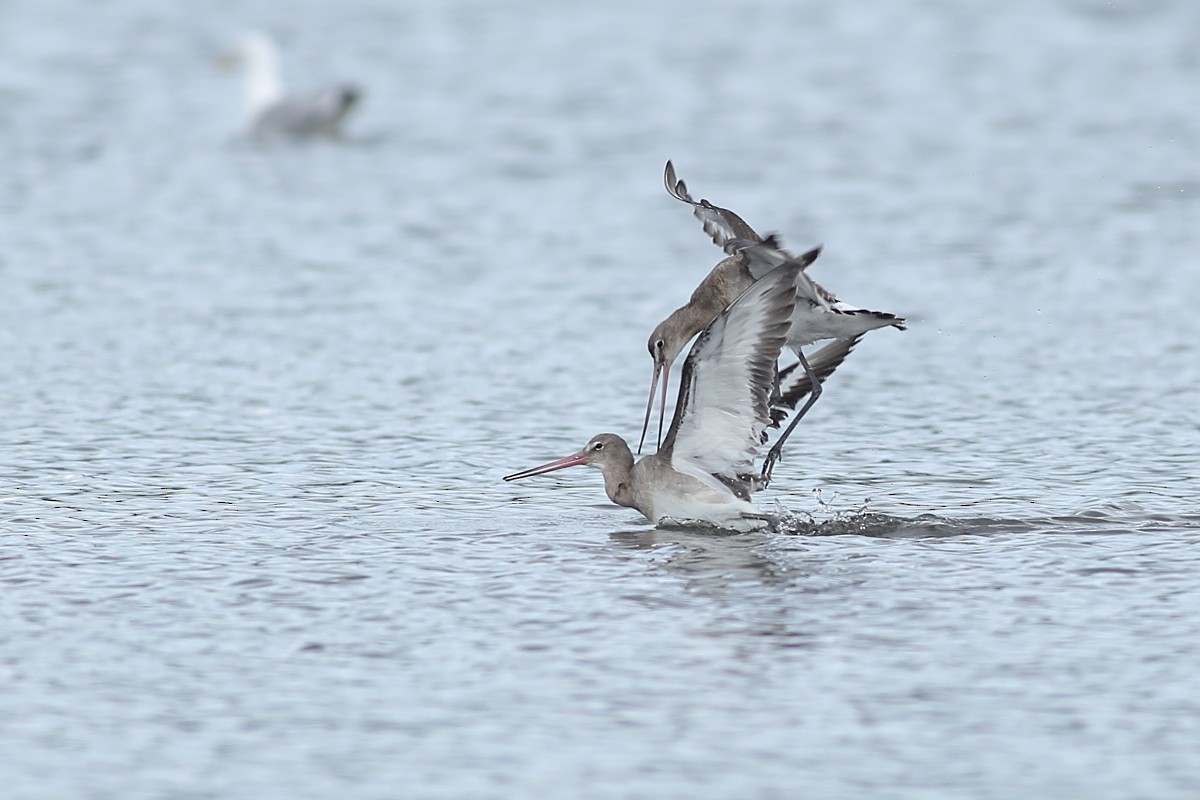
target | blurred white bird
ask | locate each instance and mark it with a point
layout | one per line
(272, 113)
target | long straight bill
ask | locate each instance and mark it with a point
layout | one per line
(665, 370)
(649, 407)
(570, 461)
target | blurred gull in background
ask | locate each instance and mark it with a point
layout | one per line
(271, 113)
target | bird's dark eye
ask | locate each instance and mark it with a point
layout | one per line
(598, 446)
(660, 344)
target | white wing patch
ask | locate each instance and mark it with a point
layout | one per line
(727, 381)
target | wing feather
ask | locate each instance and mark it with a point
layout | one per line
(838, 319)
(725, 389)
(733, 235)
(720, 223)
(760, 257)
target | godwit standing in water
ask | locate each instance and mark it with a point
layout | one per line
(704, 470)
(817, 314)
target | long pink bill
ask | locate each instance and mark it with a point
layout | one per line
(572, 460)
(665, 370)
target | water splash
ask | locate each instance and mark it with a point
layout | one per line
(858, 521)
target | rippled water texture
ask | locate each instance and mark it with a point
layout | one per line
(258, 401)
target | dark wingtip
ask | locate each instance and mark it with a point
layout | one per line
(810, 256)
(675, 187)
(773, 241)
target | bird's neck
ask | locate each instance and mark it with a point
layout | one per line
(719, 288)
(264, 84)
(686, 321)
(617, 481)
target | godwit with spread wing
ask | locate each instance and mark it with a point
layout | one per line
(817, 315)
(704, 471)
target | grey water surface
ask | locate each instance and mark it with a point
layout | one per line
(257, 402)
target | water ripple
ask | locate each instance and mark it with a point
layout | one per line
(254, 539)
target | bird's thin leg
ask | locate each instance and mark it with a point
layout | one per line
(776, 450)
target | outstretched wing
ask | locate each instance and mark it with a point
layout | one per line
(731, 233)
(761, 257)
(764, 255)
(767, 254)
(725, 390)
(720, 223)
